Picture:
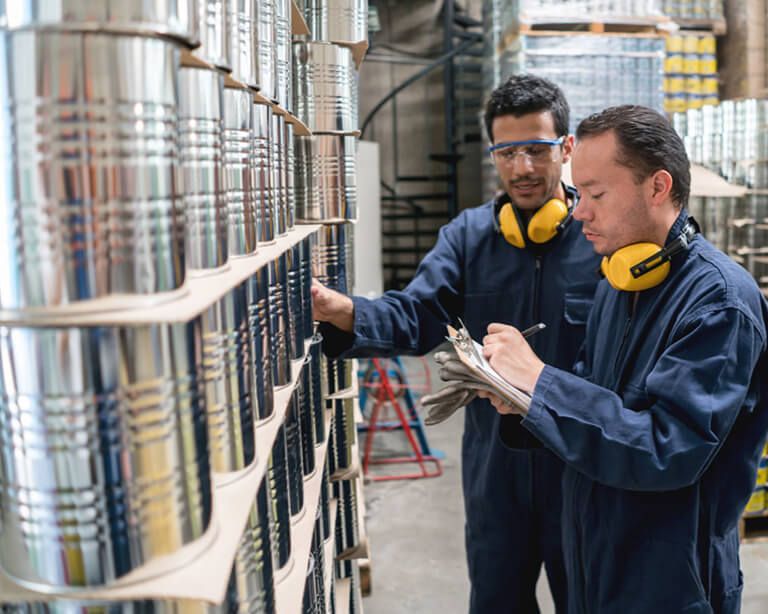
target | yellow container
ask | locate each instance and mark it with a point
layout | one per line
(709, 86)
(756, 502)
(691, 44)
(707, 65)
(676, 103)
(676, 84)
(762, 472)
(691, 64)
(674, 43)
(710, 100)
(694, 101)
(707, 45)
(693, 84)
(673, 63)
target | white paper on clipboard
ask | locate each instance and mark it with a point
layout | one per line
(474, 359)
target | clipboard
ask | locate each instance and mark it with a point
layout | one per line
(470, 353)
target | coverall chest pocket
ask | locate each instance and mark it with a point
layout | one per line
(577, 303)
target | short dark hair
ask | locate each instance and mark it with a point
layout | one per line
(646, 143)
(523, 94)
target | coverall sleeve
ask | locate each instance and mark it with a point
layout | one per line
(411, 321)
(665, 436)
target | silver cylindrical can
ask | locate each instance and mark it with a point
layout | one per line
(306, 287)
(266, 217)
(295, 459)
(227, 370)
(241, 37)
(290, 175)
(326, 177)
(329, 257)
(266, 56)
(89, 138)
(213, 27)
(337, 20)
(304, 406)
(238, 170)
(105, 450)
(200, 158)
(266, 540)
(278, 312)
(176, 18)
(295, 303)
(260, 327)
(318, 387)
(252, 583)
(279, 484)
(279, 176)
(284, 65)
(324, 75)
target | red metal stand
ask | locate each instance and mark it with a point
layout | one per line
(385, 396)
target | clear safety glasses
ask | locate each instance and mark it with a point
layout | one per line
(537, 151)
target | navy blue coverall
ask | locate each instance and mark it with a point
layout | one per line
(512, 498)
(661, 430)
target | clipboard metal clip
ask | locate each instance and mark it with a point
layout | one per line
(464, 342)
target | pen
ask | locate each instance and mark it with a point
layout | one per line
(533, 329)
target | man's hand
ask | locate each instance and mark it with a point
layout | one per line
(509, 354)
(332, 307)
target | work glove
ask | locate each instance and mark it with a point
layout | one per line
(462, 386)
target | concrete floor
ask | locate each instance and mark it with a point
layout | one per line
(416, 533)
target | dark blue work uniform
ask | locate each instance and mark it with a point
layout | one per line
(512, 498)
(661, 439)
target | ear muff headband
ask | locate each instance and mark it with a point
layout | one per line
(544, 225)
(641, 266)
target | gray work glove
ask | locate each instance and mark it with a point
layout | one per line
(462, 387)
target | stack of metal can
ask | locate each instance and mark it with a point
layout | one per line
(693, 9)
(690, 80)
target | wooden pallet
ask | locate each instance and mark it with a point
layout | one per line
(753, 528)
(623, 25)
(365, 577)
(716, 26)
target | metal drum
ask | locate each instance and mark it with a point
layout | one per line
(266, 59)
(730, 157)
(325, 506)
(242, 20)
(278, 312)
(346, 492)
(279, 174)
(295, 459)
(337, 20)
(283, 62)
(238, 170)
(326, 177)
(213, 27)
(203, 198)
(306, 418)
(89, 136)
(290, 175)
(322, 85)
(329, 257)
(296, 335)
(260, 328)
(177, 18)
(306, 287)
(278, 480)
(319, 387)
(350, 251)
(251, 575)
(104, 450)
(712, 137)
(266, 217)
(227, 372)
(717, 213)
(266, 540)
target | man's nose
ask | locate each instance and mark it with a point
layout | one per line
(521, 164)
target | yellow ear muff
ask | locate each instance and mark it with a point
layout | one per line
(617, 268)
(543, 224)
(509, 226)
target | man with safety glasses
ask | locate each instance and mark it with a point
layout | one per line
(518, 259)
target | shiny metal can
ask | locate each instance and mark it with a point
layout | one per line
(104, 450)
(278, 312)
(238, 170)
(337, 20)
(318, 387)
(295, 459)
(264, 193)
(306, 287)
(252, 579)
(346, 492)
(290, 175)
(89, 133)
(326, 177)
(200, 157)
(242, 19)
(295, 303)
(266, 54)
(325, 506)
(227, 371)
(278, 482)
(324, 75)
(329, 258)
(176, 18)
(304, 407)
(266, 541)
(260, 328)
(279, 174)
(213, 28)
(284, 66)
